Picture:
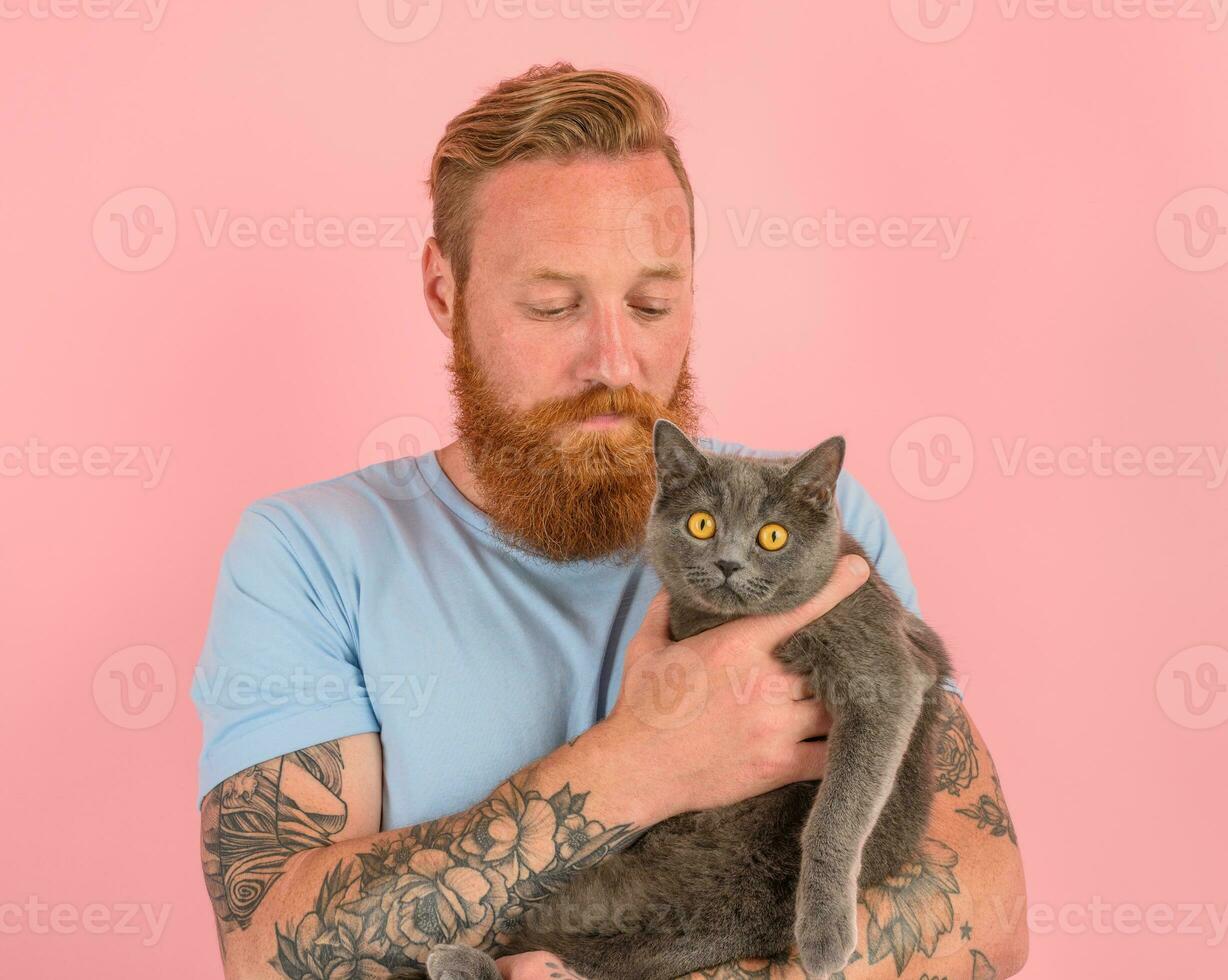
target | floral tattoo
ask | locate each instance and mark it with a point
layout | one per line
(460, 880)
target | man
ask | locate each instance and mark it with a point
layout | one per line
(430, 695)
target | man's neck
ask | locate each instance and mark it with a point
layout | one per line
(454, 465)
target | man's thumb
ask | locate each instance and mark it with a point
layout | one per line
(653, 633)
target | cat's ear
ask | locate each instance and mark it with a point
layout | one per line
(814, 474)
(678, 459)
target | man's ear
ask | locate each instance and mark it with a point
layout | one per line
(678, 459)
(813, 475)
(438, 286)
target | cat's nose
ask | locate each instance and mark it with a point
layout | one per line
(728, 567)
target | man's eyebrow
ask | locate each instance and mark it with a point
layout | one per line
(667, 270)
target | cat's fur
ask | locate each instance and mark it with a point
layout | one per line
(753, 878)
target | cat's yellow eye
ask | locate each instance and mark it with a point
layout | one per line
(772, 537)
(701, 524)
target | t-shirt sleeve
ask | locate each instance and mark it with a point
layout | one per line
(279, 669)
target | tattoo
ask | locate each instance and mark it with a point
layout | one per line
(560, 971)
(959, 765)
(990, 813)
(956, 763)
(982, 969)
(782, 967)
(257, 819)
(909, 913)
(462, 879)
(912, 910)
(853, 959)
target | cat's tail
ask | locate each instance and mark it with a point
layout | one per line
(448, 962)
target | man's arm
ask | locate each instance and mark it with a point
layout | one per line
(302, 881)
(960, 910)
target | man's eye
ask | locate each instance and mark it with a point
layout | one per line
(551, 314)
(652, 312)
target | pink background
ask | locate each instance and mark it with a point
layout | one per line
(1075, 309)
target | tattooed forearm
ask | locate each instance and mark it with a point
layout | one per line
(990, 814)
(459, 880)
(982, 969)
(256, 820)
(920, 923)
(912, 910)
(959, 765)
(905, 917)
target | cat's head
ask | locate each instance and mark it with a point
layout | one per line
(736, 535)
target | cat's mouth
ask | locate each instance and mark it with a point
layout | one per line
(725, 595)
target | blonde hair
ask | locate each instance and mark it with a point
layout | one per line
(552, 112)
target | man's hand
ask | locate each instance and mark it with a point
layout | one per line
(534, 966)
(716, 718)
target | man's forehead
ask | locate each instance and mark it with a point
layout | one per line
(540, 220)
(666, 271)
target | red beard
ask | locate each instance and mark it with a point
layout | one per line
(584, 496)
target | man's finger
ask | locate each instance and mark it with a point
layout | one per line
(653, 633)
(850, 574)
(811, 761)
(800, 689)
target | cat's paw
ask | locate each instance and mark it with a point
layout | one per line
(825, 927)
(826, 947)
(448, 962)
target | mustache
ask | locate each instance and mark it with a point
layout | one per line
(627, 400)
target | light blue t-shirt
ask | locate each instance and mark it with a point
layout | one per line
(381, 601)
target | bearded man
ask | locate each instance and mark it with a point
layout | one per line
(431, 689)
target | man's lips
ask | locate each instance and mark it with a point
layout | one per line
(603, 421)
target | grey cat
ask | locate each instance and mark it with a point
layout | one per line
(730, 536)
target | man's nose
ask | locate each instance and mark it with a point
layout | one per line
(611, 355)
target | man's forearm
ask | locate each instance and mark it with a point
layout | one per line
(958, 910)
(980, 947)
(389, 897)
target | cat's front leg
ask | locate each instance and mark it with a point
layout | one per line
(869, 737)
